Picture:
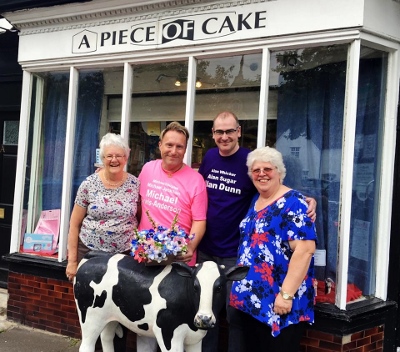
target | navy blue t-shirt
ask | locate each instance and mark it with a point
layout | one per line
(230, 191)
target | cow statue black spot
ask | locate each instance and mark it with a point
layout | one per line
(173, 303)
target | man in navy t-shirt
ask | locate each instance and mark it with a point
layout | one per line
(230, 191)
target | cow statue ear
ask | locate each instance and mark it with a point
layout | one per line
(182, 269)
(237, 272)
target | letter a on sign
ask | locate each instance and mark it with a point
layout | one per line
(84, 42)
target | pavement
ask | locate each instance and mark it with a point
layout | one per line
(19, 338)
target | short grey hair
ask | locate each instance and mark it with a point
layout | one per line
(267, 155)
(115, 140)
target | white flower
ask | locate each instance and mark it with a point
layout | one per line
(255, 301)
(267, 254)
(160, 242)
(280, 203)
(244, 286)
(298, 218)
(245, 257)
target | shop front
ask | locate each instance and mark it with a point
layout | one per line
(318, 80)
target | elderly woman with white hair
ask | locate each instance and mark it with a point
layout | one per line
(104, 213)
(275, 301)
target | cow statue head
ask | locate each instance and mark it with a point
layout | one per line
(209, 285)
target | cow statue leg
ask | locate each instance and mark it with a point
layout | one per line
(89, 338)
(184, 340)
(107, 335)
(193, 348)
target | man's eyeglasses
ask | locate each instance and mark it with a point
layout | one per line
(111, 157)
(227, 132)
(265, 170)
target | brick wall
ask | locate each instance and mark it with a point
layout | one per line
(370, 340)
(48, 304)
(43, 303)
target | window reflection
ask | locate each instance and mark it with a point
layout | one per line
(229, 84)
(45, 159)
(88, 118)
(310, 88)
(367, 161)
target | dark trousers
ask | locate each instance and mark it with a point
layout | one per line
(258, 338)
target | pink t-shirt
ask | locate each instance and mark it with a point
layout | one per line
(184, 193)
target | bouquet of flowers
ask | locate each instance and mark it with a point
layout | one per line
(160, 243)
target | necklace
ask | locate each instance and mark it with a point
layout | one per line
(171, 173)
(111, 183)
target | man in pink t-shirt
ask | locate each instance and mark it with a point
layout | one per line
(169, 187)
(163, 196)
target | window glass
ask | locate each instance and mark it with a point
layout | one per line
(45, 159)
(309, 86)
(158, 97)
(228, 84)
(91, 89)
(10, 132)
(367, 163)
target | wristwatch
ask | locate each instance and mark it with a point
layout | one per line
(285, 295)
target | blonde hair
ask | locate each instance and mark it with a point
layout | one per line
(177, 127)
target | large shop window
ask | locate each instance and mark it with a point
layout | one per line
(44, 167)
(46, 147)
(367, 166)
(305, 121)
(311, 91)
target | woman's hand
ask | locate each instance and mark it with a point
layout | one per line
(71, 270)
(282, 306)
(75, 223)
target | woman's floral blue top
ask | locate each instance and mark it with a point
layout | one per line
(265, 248)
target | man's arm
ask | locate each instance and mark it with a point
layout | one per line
(312, 208)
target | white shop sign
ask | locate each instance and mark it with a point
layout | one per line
(195, 26)
(172, 32)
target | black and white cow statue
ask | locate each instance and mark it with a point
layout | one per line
(173, 303)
